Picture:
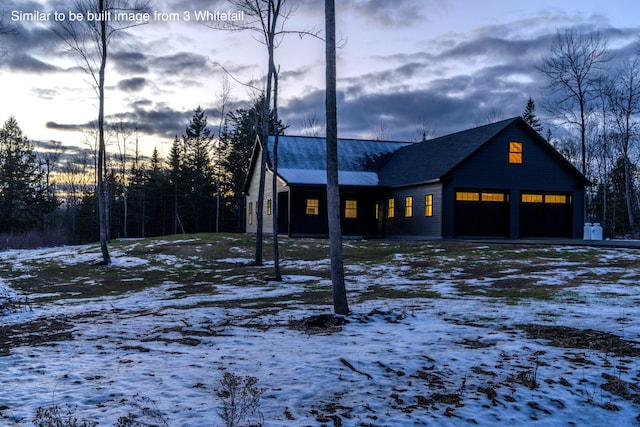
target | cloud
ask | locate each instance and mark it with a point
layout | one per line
(134, 84)
(69, 127)
(130, 62)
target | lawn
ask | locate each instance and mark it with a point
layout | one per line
(441, 333)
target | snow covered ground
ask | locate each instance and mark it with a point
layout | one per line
(427, 344)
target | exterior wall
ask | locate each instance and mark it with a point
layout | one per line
(251, 212)
(489, 169)
(418, 224)
(365, 224)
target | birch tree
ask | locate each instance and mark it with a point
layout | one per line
(89, 40)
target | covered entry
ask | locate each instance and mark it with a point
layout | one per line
(546, 214)
(482, 213)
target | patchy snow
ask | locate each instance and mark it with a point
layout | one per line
(451, 360)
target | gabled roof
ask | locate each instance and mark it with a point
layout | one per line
(431, 160)
(302, 160)
(409, 165)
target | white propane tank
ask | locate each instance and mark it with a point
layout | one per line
(596, 231)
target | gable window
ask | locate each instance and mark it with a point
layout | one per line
(408, 206)
(391, 208)
(313, 207)
(428, 205)
(250, 213)
(515, 152)
(351, 209)
(269, 207)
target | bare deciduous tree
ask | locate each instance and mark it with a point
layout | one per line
(624, 99)
(340, 305)
(573, 68)
(89, 40)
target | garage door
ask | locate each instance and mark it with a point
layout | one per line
(481, 213)
(545, 214)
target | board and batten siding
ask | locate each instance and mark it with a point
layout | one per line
(418, 224)
(252, 199)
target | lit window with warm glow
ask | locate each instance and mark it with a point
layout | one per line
(351, 209)
(313, 206)
(466, 196)
(269, 207)
(428, 205)
(391, 208)
(515, 152)
(250, 213)
(408, 206)
(493, 197)
(532, 198)
(555, 198)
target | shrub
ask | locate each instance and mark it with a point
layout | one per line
(240, 397)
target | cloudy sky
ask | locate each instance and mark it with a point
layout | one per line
(446, 64)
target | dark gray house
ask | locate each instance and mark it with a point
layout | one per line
(498, 180)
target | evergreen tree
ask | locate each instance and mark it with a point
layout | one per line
(25, 200)
(176, 183)
(158, 193)
(198, 173)
(529, 116)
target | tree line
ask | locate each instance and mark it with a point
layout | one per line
(197, 188)
(594, 97)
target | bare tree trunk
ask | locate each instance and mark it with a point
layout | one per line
(102, 193)
(340, 305)
(274, 201)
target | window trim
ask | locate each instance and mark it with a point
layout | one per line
(391, 208)
(428, 205)
(312, 207)
(408, 206)
(516, 149)
(351, 209)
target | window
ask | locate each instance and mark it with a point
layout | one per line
(428, 205)
(515, 152)
(351, 209)
(532, 198)
(408, 206)
(250, 213)
(391, 208)
(467, 196)
(269, 207)
(555, 198)
(493, 197)
(546, 198)
(313, 207)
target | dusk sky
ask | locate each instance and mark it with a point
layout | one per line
(449, 64)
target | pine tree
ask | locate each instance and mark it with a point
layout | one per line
(24, 197)
(529, 116)
(198, 173)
